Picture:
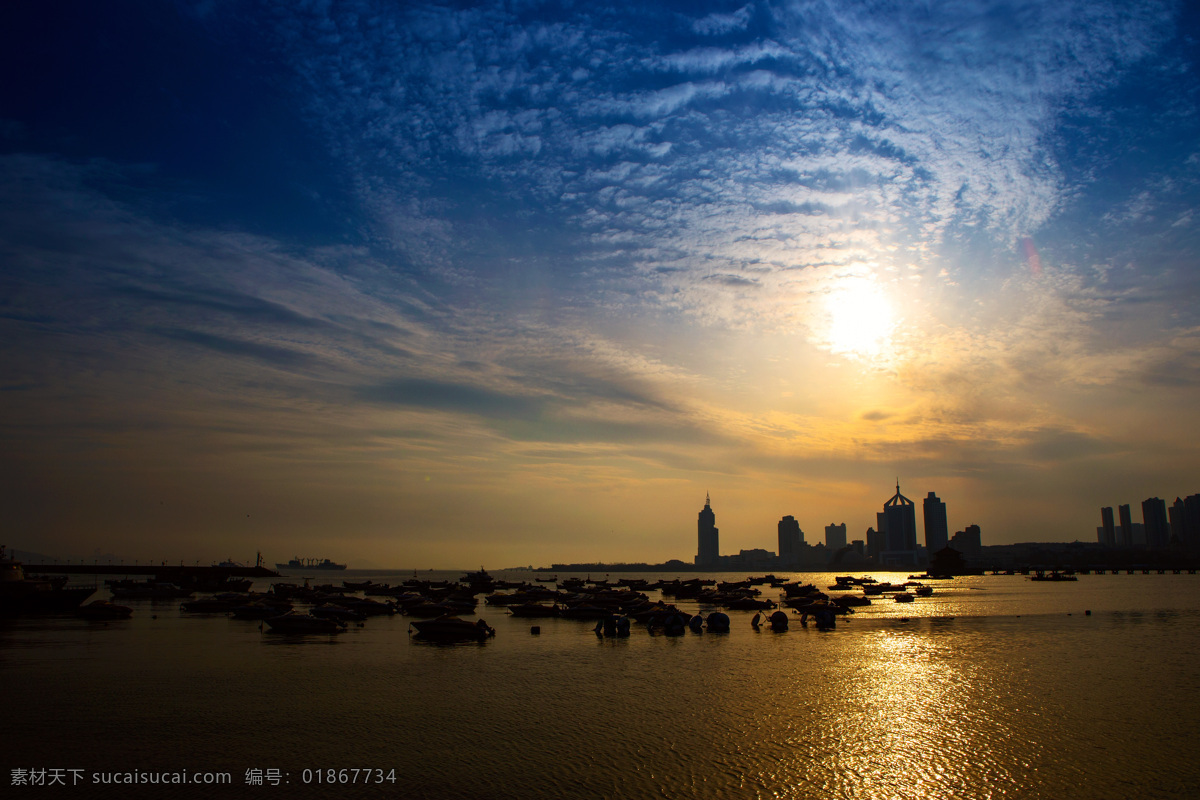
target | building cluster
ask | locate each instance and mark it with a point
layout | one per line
(1161, 528)
(892, 542)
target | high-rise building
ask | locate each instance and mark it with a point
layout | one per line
(1126, 526)
(1110, 529)
(1191, 521)
(835, 536)
(969, 542)
(1175, 514)
(900, 529)
(937, 532)
(790, 540)
(1154, 518)
(708, 549)
(875, 542)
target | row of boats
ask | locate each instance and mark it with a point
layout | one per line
(437, 607)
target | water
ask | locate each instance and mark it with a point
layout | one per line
(994, 687)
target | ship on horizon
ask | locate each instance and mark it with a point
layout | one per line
(310, 563)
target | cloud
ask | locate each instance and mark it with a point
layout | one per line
(716, 24)
(276, 356)
(448, 396)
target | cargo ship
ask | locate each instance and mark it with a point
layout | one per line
(309, 563)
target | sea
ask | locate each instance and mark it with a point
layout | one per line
(994, 687)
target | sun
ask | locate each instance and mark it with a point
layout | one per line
(861, 319)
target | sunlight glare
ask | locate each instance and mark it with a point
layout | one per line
(860, 318)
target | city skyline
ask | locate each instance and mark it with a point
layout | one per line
(437, 285)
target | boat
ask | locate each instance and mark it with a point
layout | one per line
(903, 597)
(1053, 576)
(533, 610)
(22, 595)
(103, 610)
(310, 563)
(304, 623)
(479, 581)
(336, 612)
(449, 628)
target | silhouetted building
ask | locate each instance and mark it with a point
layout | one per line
(969, 542)
(708, 548)
(1191, 522)
(937, 533)
(874, 542)
(1175, 517)
(1110, 531)
(1154, 519)
(1126, 526)
(756, 558)
(899, 527)
(835, 536)
(790, 540)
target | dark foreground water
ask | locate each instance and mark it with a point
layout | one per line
(995, 687)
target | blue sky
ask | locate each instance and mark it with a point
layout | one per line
(420, 284)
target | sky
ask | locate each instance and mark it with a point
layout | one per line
(439, 285)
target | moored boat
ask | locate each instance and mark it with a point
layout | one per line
(533, 610)
(103, 610)
(450, 628)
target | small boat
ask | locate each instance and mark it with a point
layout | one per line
(749, 604)
(479, 581)
(904, 597)
(304, 623)
(209, 605)
(449, 628)
(533, 610)
(1053, 576)
(259, 611)
(103, 610)
(336, 612)
(585, 611)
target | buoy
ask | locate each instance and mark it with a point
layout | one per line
(535, 630)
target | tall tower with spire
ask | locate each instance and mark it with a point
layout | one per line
(707, 537)
(899, 525)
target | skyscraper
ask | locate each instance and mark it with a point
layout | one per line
(1191, 521)
(835, 537)
(1154, 517)
(1126, 526)
(900, 531)
(937, 532)
(708, 548)
(790, 539)
(1110, 530)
